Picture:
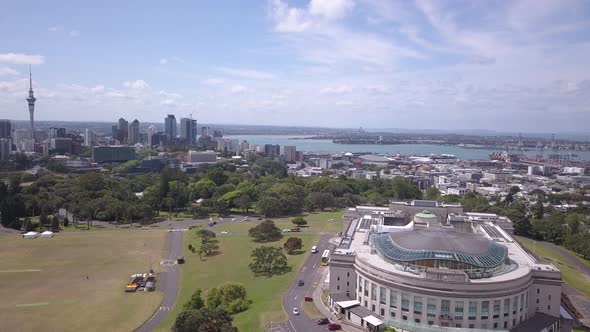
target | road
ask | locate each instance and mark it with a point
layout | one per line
(168, 283)
(295, 294)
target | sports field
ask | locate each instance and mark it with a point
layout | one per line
(75, 282)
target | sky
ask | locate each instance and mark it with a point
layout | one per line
(520, 66)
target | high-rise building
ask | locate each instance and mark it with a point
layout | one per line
(89, 138)
(188, 130)
(133, 132)
(193, 132)
(5, 129)
(170, 126)
(31, 101)
(150, 132)
(289, 153)
(272, 150)
(4, 148)
(123, 131)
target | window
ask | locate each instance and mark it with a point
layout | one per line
(485, 309)
(537, 301)
(496, 308)
(471, 326)
(445, 307)
(405, 302)
(366, 288)
(472, 310)
(458, 325)
(418, 305)
(392, 314)
(347, 284)
(366, 305)
(373, 292)
(338, 279)
(431, 307)
(382, 312)
(521, 302)
(372, 307)
(506, 307)
(348, 274)
(495, 325)
(526, 300)
(514, 322)
(417, 320)
(549, 307)
(514, 305)
(404, 317)
(459, 310)
(538, 291)
(549, 297)
(505, 324)
(392, 298)
(338, 287)
(382, 296)
(430, 322)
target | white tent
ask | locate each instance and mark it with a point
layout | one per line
(47, 234)
(30, 235)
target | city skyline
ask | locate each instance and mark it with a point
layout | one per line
(414, 65)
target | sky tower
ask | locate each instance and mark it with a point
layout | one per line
(31, 100)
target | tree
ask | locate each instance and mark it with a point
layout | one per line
(196, 302)
(231, 296)
(292, 244)
(268, 261)
(204, 320)
(317, 200)
(514, 189)
(404, 189)
(54, 223)
(169, 202)
(265, 231)
(66, 222)
(217, 176)
(299, 221)
(244, 202)
(205, 234)
(209, 244)
(43, 220)
(432, 194)
(28, 225)
(539, 210)
(269, 206)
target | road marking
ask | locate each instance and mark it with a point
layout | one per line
(165, 308)
(290, 322)
(39, 304)
(303, 269)
(314, 265)
(18, 271)
(295, 298)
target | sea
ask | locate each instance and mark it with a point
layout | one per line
(326, 145)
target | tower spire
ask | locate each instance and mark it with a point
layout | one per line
(30, 79)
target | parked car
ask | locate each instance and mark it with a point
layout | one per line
(300, 283)
(286, 230)
(334, 327)
(224, 233)
(308, 299)
(295, 311)
(323, 321)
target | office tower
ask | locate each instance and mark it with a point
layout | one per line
(4, 148)
(89, 138)
(170, 126)
(204, 131)
(31, 101)
(288, 153)
(185, 129)
(193, 132)
(133, 132)
(272, 150)
(5, 129)
(123, 131)
(150, 132)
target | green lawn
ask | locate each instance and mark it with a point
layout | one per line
(76, 281)
(317, 221)
(571, 275)
(231, 265)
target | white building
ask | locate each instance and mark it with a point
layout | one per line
(89, 138)
(150, 132)
(574, 170)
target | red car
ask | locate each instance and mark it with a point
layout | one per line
(334, 327)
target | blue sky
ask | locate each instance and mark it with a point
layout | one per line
(504, 65)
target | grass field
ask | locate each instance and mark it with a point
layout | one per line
(231, 265)
(571, 275)
(45, 286)
(315, 222)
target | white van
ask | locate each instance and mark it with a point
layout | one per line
(314, 250)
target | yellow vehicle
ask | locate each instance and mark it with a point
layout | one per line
(326, 257)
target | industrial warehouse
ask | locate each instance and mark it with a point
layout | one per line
(428, 266)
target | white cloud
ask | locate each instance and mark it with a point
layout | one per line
(338, 89)
(54, 29)
(247, 73)
(7, 71)
(22, 59)
(163, 61)
(331, 9)
(238, 88)
(168, 102)
(289, 19)
(136, 85)
(74, 33)
(171, 95)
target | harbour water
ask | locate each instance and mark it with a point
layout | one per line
(322, 145)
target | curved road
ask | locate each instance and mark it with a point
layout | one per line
(295, 294)
(168, 283)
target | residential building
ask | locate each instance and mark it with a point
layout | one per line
(89, 138)
(123, 131)
(288, 153)
(133, 132)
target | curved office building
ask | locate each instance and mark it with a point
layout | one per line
(431, 274)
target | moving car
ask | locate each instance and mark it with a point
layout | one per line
(334, 327)
(323, 321)
(295, 311)
(300, 283)
(224, 233)
(314, 250)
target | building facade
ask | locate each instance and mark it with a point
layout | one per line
(133, 132)
(470, 274)
(170, 126)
